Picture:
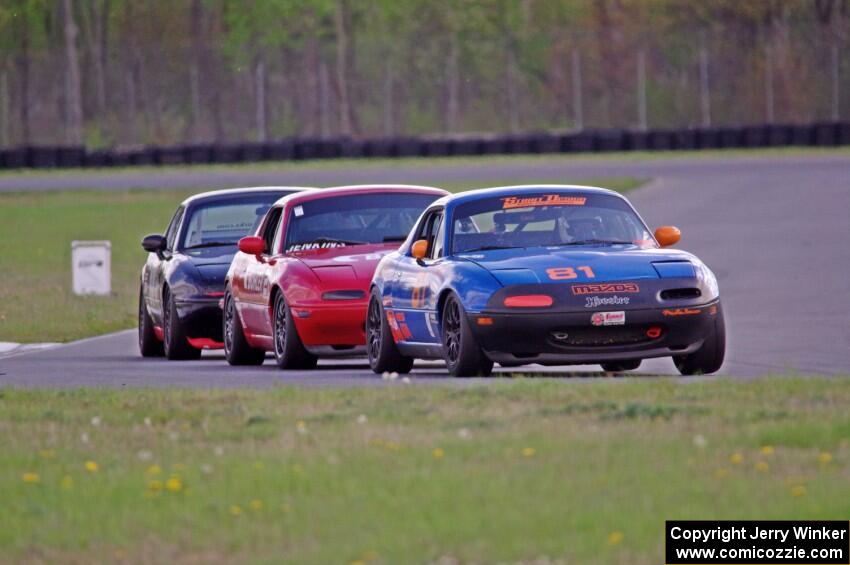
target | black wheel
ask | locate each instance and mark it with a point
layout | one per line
(620, 366)
(464, 357)
(173, 336)
(289, 351)
(149, 345)
(380, 346)
(708, 358)
(237, 350)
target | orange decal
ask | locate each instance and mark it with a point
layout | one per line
(561, 273)
(680, 312)
(567, 273)
(394, 329)
(548, 200)
(420, 291)
(604, 288)
(713, 310)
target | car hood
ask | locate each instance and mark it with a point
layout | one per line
(350, 263)
(532, 265)
(211, 255)
(212, 262)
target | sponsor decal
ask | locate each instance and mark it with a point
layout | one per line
(234, 226)
(547, 200)
(256, 283)
(597, 301)
(604, 288)
(298, 211)
(713, 310)
(680, 312)
(608, 318)
(310, 246)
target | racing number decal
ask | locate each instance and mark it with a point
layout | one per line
(567, 273)
(420, 291)
(417, 299)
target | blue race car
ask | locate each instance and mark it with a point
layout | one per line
(555, 275)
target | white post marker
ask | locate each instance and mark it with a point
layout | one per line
(91, 267)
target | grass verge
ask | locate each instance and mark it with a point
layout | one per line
(36, 230)
(510, 472)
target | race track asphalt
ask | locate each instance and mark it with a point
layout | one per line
(775, 230)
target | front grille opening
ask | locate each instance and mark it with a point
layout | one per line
(680, 293)
(343, 295)
(603, 336)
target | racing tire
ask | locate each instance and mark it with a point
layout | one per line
(620, 366)
(709, 357)
(463, 356)
(237, 350)
(174, 340)
(149, 345)
(380, 345)
(289, 350)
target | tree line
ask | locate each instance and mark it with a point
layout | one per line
(107, 73)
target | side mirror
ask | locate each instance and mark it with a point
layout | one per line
(419, 249)
(252, 245)
(668, 235)
(153, 243)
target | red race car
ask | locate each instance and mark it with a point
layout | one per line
(300, 285)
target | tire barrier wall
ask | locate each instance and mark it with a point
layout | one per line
(823, 134)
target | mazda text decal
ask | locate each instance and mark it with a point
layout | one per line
(604, 288)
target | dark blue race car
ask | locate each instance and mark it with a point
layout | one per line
(183, 278)
(554, 275)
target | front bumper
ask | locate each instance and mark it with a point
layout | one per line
(571, 338)
(340, 323)
(201, 317)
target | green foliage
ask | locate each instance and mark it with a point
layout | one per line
(419, 66)
(248, 28)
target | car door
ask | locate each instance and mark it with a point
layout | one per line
(417, 282)
(256, 282)
(156, 266)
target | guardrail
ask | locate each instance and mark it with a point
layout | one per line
(823, 134)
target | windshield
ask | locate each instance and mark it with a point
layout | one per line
(224, 222)
(354, 220)
(546, 219)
